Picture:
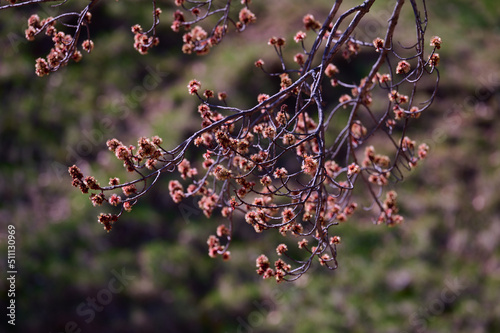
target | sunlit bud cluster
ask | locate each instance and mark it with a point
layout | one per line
(310, 23)
(379, 44)
(88, 45)
(331, 70)
(193, 87)
(64, 46)
(299, 36)
(436, 42)
(276, 41)
(434, 60)
(246, 16)
(403, 67)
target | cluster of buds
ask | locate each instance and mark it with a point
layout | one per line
(143, 42)
(351, 49)
(176, 191)
(64, 44)
(215, 248)
(149, 151)
(97, 199)
(266, 271)
(179, 20)
(378, 43)
(389, 214)
(77, 179)
(403, 67)
(107, 220)
(208, 202)
(245, 18)
(434, 60)
(310, 23)
(434, 57)
(149, 154)
(277, 41)
(196, 39)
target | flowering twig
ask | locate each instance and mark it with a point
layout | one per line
(292, 161)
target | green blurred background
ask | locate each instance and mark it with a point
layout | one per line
(438, 272)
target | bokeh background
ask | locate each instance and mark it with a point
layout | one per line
(438, 272)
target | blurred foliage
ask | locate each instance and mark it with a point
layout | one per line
(439, 272)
